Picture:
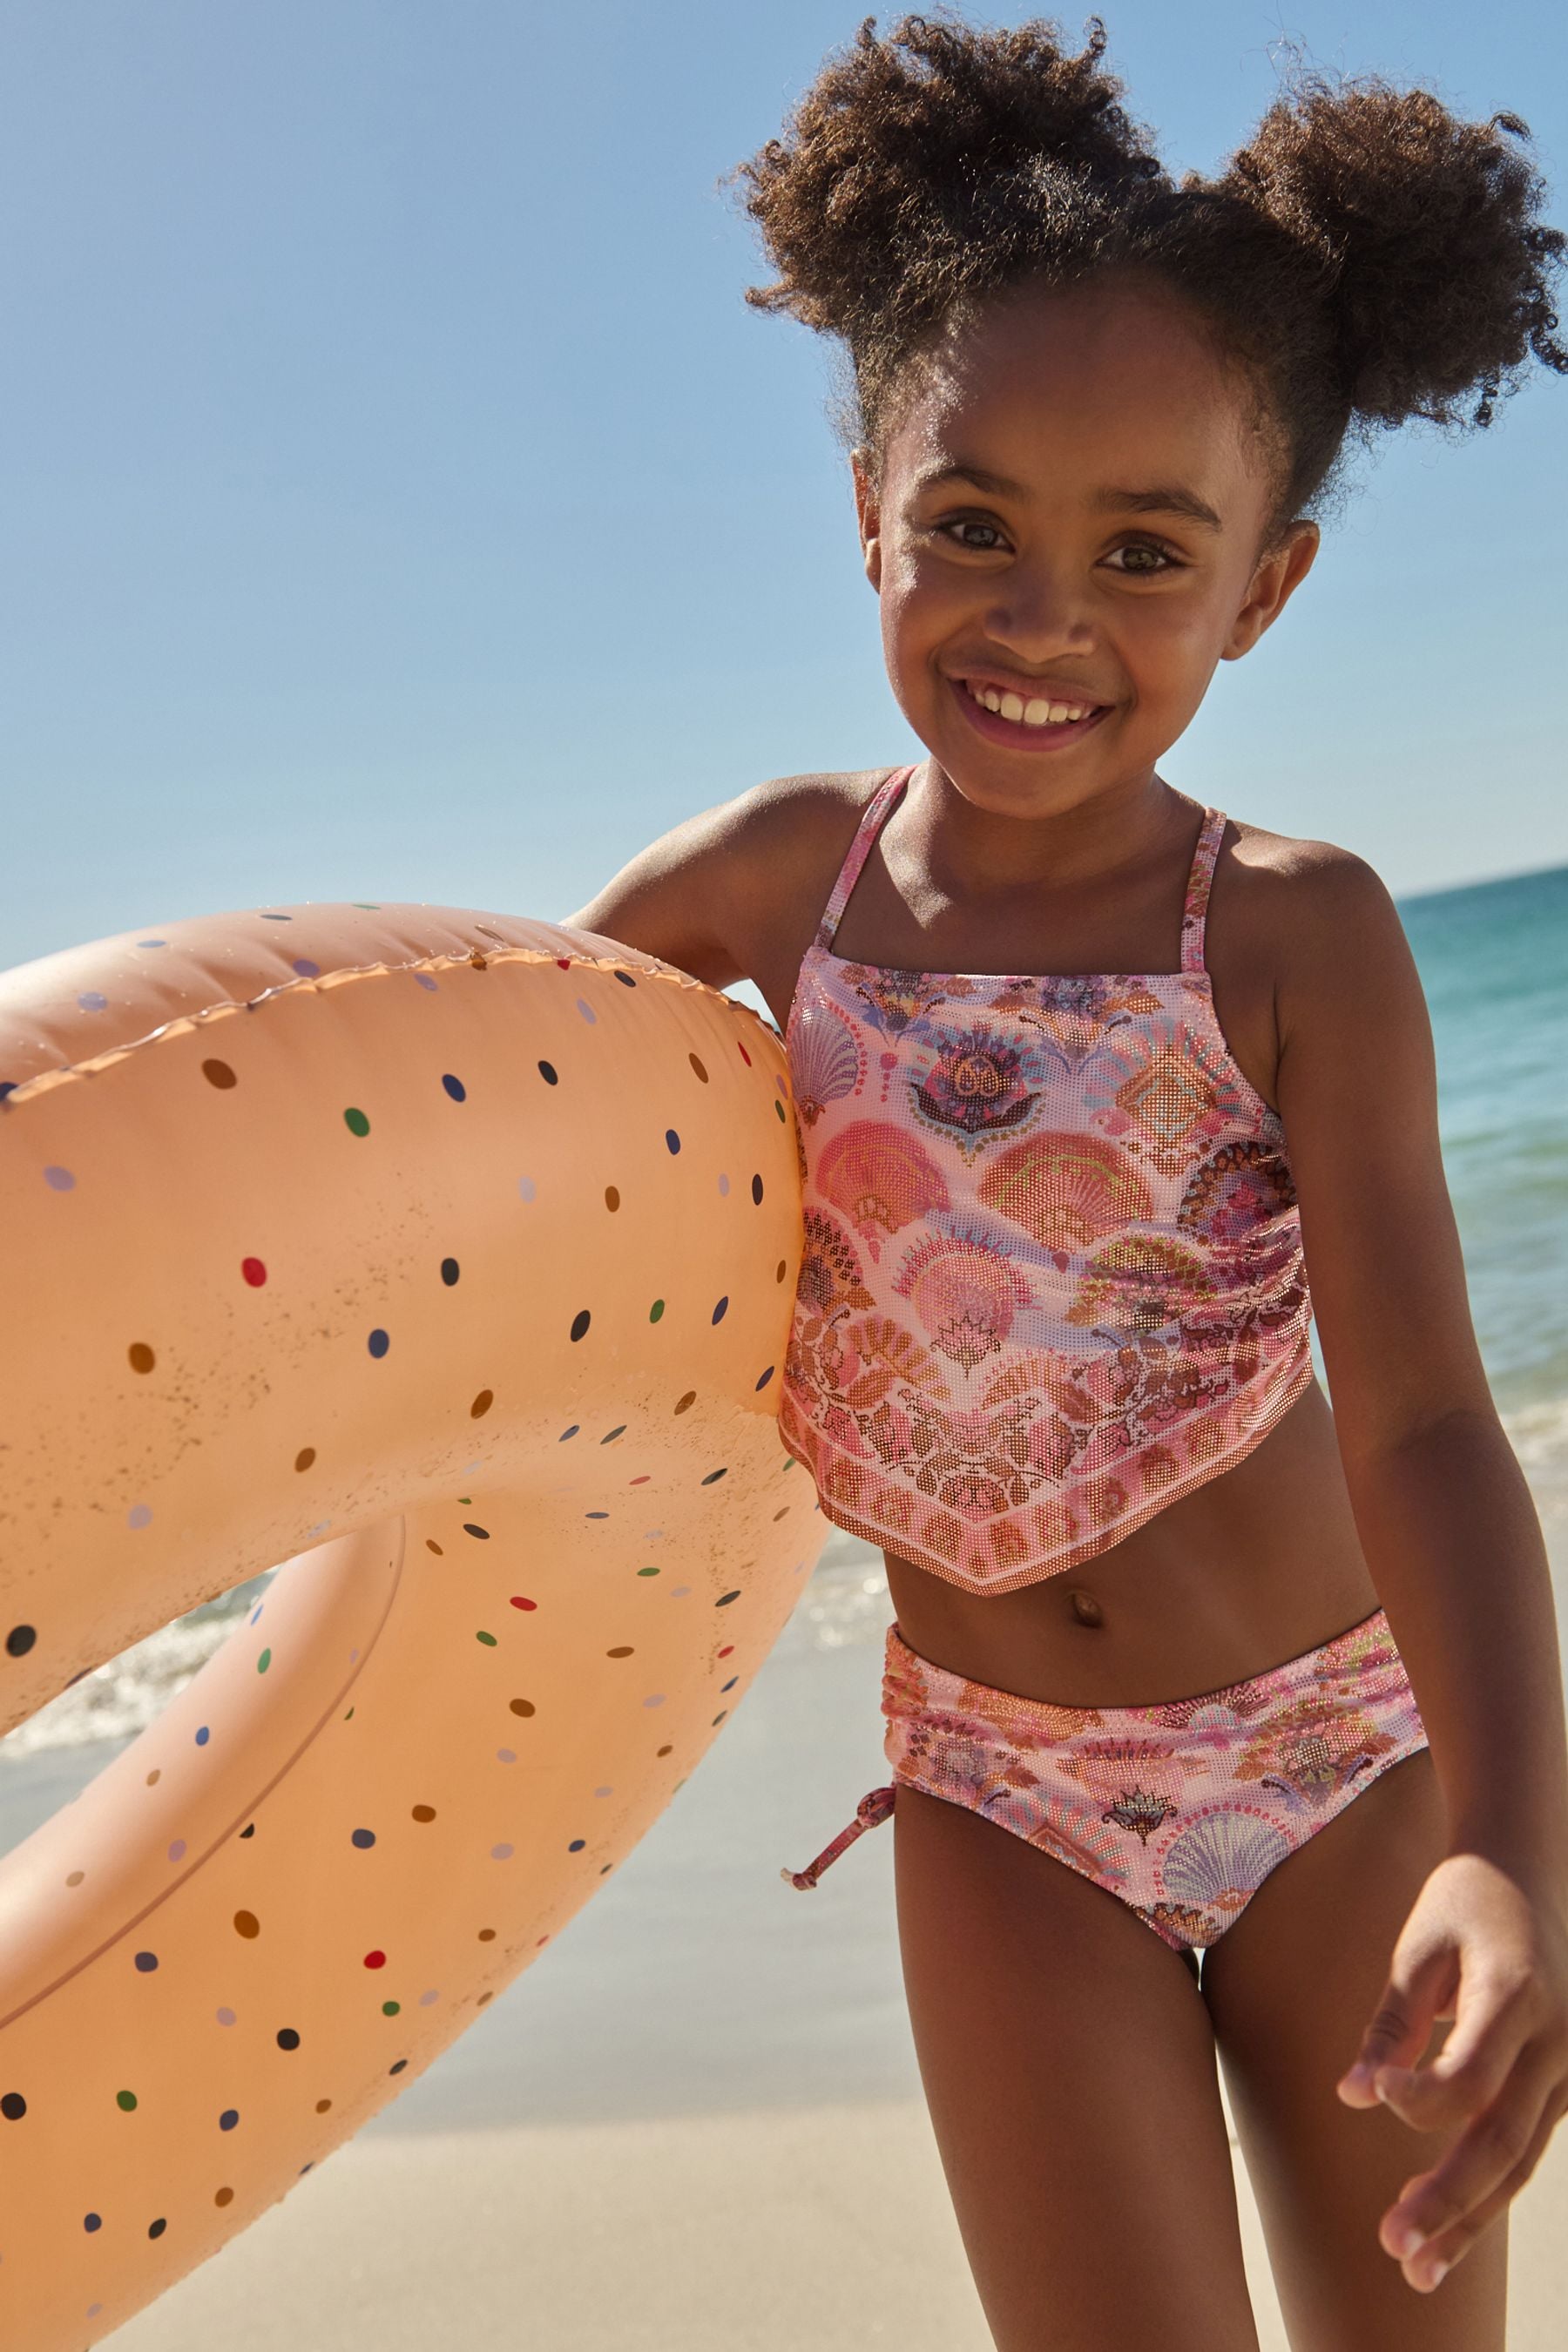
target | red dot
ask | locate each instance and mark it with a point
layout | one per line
(376, 1959)
(565, 961)
(254, 1272)
(727, 1650)
(644, 1479)
(744, 1056)
(519, 1602)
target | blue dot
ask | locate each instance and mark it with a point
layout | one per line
(9, 1087)
(576, 1845)
(228, 2120)
(719, 1310)
(767, 1376)
(729, 1685)
(448, 1271)
(547, 1072)
(454, 1087)
(146, 1962)
(565, 1434)
(152, 943)
(626, 980)
(756, 1188)
(671, 1138)
(379, 1343)
(306, 969)
(595, 1514)
(91, 1000)
(90, 2221)
(364, 1837)
(203, 1735)
(580, 1322)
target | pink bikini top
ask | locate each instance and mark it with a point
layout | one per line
(1052, 1276)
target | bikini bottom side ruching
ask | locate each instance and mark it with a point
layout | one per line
(1182, 1809)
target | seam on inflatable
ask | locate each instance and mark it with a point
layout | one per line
(476, 958)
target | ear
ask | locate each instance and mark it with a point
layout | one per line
(869, 517)
(1279, 574)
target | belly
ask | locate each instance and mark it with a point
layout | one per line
(1255, 1567)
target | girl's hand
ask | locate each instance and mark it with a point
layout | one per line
(1482, 1950)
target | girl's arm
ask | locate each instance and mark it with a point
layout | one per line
(687, 897)
(1454, 1550)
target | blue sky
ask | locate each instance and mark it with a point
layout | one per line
(402, 503)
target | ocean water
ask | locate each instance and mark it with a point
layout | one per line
(1493, 960)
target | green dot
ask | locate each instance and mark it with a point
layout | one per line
(126, 2099)
(488, 1640)
(779, 1108)
(647, 1571)
(263, 1662)
(348, 1717)
(372, 906)
(390, 2008)
(655, 1311)
(468, 1498)
(356, 1122)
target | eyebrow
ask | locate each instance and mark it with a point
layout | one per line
(1163, 497)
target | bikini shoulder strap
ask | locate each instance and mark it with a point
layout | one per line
(1200, 881)
(877, 808)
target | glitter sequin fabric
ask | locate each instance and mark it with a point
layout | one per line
(1052, 1276)
(1182, 1809)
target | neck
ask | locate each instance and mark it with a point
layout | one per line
(973, 851)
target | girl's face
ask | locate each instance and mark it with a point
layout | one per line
(1071, 510)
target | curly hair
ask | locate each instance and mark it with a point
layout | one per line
(1365, 258)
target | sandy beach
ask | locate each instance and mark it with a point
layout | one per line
(697, 2121)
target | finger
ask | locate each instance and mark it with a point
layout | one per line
(1489, 2034)
(1420, 1986)
(1436, 2255)
(1435, 2204)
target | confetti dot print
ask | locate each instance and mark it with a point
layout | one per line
(430, 1265)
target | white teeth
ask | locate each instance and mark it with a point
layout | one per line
(1035, 713)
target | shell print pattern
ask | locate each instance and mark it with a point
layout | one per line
(1078, 1283)
(1181, 1808)
(1067, 1192)
(829, 1061)
(964, 1291)
(879, 1177)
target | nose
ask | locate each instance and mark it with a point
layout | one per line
(1039, 610)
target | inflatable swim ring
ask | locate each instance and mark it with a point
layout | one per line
(449, 1260)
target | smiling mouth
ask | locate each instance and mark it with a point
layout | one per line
(1030, 710)
(1038, 722)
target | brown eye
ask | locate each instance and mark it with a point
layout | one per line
(969, 523)
(1164, 560)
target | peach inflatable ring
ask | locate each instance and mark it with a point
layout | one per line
(449, 1260)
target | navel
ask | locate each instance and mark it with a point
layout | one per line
(1086, 1608)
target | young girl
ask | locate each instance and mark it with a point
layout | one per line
(1089, 1079)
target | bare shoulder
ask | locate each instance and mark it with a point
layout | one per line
(1305, 894)
(721, 893)
(1319, 916)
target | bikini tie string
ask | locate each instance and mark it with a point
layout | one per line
(872, 1810)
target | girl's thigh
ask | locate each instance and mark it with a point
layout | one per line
(1068, 2064)
(1291, 1987)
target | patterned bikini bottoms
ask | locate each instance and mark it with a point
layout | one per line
(1182, 1809)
